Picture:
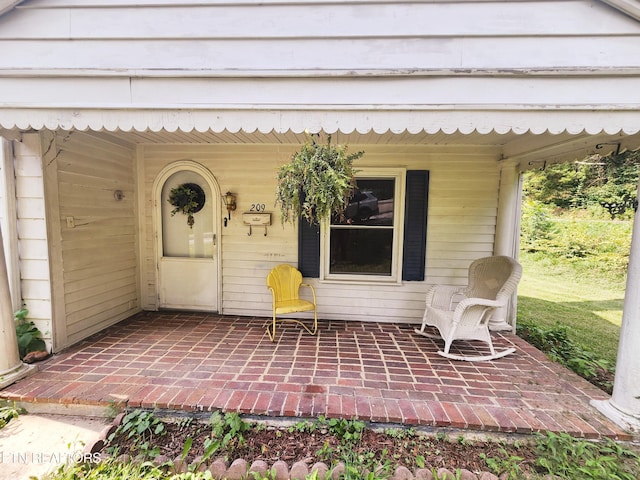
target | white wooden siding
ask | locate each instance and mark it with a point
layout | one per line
(461, 226)
(258, 19)
(35, 282)
(99, 252)
(272, 36)
(347, 66)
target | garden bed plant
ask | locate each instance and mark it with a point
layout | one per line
(144, 445)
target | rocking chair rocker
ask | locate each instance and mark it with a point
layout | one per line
(463, 313)
(285, 281)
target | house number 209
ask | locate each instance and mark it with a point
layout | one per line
(258, 207)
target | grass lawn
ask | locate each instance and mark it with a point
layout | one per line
(591, 309)
(574, 274)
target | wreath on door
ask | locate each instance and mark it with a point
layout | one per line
(187, 199)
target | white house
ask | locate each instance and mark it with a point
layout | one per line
(106, 105)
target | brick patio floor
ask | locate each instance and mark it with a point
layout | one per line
(378, 372)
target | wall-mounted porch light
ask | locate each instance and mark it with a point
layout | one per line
(229, 200)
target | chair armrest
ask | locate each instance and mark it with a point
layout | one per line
(475, 311)
(273, 296)
(313, 291)
(442, 297)
(484, 302)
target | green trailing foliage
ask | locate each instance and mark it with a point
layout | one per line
(29, 337)
(317, 183)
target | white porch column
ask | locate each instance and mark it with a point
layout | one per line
(8, 220)
(624, 406)
(507, 237)
(11, 368)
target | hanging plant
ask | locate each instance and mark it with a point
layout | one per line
(188, 199)
(317, 183)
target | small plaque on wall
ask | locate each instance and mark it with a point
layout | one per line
(256, 219)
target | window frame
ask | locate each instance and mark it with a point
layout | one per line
(399, 177)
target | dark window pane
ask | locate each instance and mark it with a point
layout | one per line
(361, 251)
(370, 204)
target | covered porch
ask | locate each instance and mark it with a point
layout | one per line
(377, 372)
(95, 130)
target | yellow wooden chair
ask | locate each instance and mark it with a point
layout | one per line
(285, 281)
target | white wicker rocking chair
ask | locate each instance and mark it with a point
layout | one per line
(463, 313)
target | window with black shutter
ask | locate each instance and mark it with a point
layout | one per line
(369, 241)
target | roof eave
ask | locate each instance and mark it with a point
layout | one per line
(629, 7)
(6, 5)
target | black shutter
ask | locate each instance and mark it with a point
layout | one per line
(308, 249)
(415, 225)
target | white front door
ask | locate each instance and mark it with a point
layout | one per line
(188, 254)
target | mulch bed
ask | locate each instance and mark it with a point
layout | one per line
(395, 447)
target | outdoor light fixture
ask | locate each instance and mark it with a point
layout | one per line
(229, 200)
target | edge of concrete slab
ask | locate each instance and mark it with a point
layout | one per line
(72, 409)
